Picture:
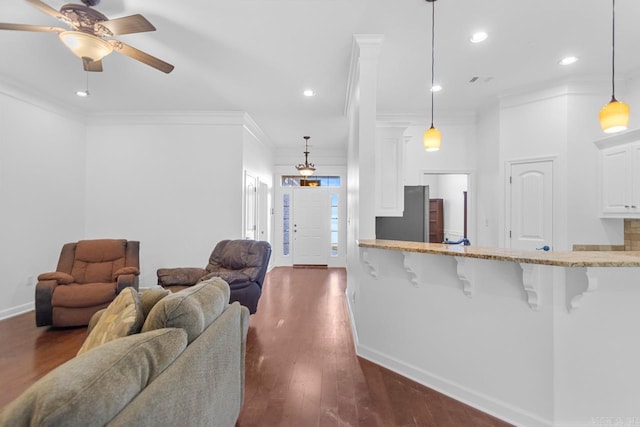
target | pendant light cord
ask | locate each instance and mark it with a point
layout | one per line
(433, 35)
(613, 53)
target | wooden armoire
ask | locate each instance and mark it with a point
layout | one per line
(436, 220)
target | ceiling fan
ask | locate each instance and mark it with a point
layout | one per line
(90, 37)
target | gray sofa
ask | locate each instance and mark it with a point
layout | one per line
(186, 367)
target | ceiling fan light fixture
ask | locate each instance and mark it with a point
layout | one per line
(85, 45)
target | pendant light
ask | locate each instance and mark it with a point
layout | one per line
(614, 117)
(306, 168)
(432, 137)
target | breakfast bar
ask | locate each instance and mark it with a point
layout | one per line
(536, 338)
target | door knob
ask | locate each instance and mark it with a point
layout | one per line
(544, 248)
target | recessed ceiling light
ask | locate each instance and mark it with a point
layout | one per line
(478, 37)
(568, 60)
(436, 88)
(82, 93)
(309, 92)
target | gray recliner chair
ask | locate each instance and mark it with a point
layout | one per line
(241, 263)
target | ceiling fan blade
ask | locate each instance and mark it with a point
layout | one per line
(47, 9)
(128, 25)
(23, 27)
(141, 56)
(92, 65)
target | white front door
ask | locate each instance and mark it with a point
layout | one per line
(311, 226)
(531, 219)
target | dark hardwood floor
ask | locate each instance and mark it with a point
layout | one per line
(302, 369)
(301, 366)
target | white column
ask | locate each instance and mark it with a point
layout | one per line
(367, 81)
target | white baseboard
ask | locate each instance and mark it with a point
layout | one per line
(14, 311)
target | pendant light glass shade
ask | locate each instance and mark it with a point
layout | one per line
(431, 139)
(614, 117)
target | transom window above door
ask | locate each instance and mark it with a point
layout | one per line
(314, 181)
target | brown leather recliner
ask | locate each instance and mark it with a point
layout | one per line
(89, 275)
(241, 263)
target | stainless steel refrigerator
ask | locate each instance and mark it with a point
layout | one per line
(413, 226)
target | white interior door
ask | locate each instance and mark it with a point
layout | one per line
(311, 226)
(263, 210)
(250, 206)
(531, 205)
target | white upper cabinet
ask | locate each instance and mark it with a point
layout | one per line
(389, 171)
(619, 167)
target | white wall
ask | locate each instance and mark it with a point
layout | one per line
(533, 126)
(583, 207)
(457, 152)
(560, 122)
(42, 196)
(172, 181)
(489, 184)
(175, 184)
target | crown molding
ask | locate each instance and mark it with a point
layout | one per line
(252, 127)
(415, 119)
(14, 90)
(167, 118)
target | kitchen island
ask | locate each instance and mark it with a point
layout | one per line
(536, 338)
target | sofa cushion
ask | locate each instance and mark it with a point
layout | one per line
(191, 309)
(94, 387)
(150, 297)
(121, 318)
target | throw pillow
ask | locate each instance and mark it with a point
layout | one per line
(121, 318)
(192, 309)
(91, 389)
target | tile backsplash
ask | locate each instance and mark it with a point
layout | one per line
(632, 234)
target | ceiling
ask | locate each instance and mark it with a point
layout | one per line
(259, 55)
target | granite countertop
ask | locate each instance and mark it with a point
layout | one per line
(564, 259)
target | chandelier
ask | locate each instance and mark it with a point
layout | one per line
(306, 168)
